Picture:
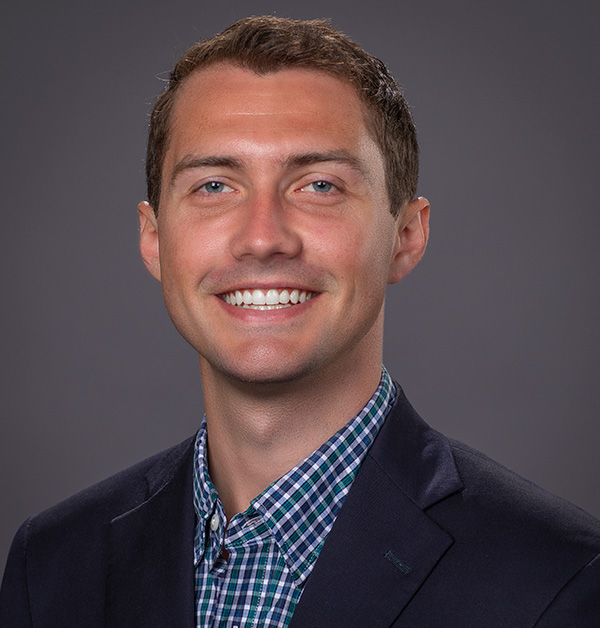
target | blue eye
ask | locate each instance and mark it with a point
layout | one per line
(321, 186)
(214, 187)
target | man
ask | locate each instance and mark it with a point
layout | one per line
(282, 172)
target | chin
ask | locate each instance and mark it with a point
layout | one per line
(264, 369)
(267, 375)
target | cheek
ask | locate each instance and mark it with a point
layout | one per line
(360, 252)
(186, 251)
(340, 241)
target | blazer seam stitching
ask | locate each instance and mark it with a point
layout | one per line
(565, 585)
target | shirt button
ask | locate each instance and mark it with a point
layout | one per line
(214, 522)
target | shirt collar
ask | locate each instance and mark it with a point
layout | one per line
(300, 507)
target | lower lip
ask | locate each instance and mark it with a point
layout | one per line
(281, 314)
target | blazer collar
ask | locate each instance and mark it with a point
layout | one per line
(150, 578)
(383, 545)
(417, 458)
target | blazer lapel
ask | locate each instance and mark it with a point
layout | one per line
(150, 580)
(383, 546)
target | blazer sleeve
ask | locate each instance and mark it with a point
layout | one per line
(578, 602)
(14, 595)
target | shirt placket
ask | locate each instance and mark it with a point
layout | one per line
(245, 540)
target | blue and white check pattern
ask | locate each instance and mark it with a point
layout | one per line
(273, 545)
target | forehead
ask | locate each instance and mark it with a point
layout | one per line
(226, 105)
(226, 81)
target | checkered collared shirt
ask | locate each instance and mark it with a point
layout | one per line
(273, 545)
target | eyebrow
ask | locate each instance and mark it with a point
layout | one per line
(340, 156)
(190, 162)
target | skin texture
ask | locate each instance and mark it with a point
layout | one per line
(268, 183)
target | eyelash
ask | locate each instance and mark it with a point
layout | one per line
(332, 187)
(312, 186)
(205, 187)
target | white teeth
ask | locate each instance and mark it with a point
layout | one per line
(258, 298)
(272, 298)
(267, 300)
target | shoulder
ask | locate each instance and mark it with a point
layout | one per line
(540, 551)
(501, 496)
(448, 478)
(58, 560)
(97, 505)
(517, 551)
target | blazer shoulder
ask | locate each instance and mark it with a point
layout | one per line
(517, 517)
(99, 503)
(58, 563)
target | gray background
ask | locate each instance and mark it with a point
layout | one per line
(494, 336)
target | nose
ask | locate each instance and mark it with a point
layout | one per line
(265, 230)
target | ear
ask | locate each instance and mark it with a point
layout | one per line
(411, 239)
(149, 239)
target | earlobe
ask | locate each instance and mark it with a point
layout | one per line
(411, 238)
(149, 248)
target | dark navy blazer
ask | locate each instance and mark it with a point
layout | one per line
(432, 534)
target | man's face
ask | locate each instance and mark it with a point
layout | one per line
(274, 241)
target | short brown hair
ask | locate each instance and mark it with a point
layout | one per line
(267, 44)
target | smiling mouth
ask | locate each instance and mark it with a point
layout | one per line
(273, 299)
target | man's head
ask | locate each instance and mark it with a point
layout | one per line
(268, 44)
(274, 241)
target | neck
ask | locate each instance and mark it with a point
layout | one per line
(257, 433)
